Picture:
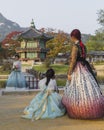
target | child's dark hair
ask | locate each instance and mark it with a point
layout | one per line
(49, 75)
(17, 55)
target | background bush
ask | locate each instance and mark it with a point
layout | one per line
(2, 83)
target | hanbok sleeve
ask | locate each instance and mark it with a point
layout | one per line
(55, 86)
(13, 65)
(73, 59)
(41, 84)
(19, 65)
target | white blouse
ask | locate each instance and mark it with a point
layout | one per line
(17, 64)
(52, 85)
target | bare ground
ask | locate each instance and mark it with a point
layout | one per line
(99, 69)
(11, 108)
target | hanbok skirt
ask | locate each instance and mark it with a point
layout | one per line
(82, 97)
(16, 81)
(45, 105)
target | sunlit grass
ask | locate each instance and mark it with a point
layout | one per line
(59, 69)
(61, 82)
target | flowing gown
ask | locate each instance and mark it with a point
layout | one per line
(82, 97)
(16, 80)
(46, 104)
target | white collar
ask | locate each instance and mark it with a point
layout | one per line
(76, 42)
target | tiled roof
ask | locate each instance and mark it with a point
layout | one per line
(33, 33)
(96, 53)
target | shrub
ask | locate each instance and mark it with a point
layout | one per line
(100, 79)
(2, 83)
(6, 68)
(47, 63)
(61, 82)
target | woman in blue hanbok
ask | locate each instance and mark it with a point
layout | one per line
(47, 103)
(16, 80)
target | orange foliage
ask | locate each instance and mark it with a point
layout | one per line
(57, 45)
(9, 41)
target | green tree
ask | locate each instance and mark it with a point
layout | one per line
(101, 22)
(96, 42)
(101, 17)
(95, 45)
(3, 52)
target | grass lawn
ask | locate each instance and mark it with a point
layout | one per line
(61, 82)
(62, 69)
(59, 69)
(2, 83)
(5, 72)
(99, 63)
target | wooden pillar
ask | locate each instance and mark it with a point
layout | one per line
(26, 48)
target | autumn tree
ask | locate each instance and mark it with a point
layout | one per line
(10, 43)
(58, 45)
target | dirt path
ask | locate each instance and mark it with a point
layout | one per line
(11, 108)
(99, 69)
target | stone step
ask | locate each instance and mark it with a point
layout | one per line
(32, 91)
(24, 92)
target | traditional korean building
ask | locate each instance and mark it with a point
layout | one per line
(92, 56)
(95, 56)
(33, 44)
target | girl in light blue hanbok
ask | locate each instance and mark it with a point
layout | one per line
(47, 103)
(16, 80)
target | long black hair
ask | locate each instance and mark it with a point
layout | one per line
(50, 74)
(77, 34)
(17, 55)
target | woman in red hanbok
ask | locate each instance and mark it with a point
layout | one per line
(82, 97)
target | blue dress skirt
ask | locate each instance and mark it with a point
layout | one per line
(45, 104)
(16, 80)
